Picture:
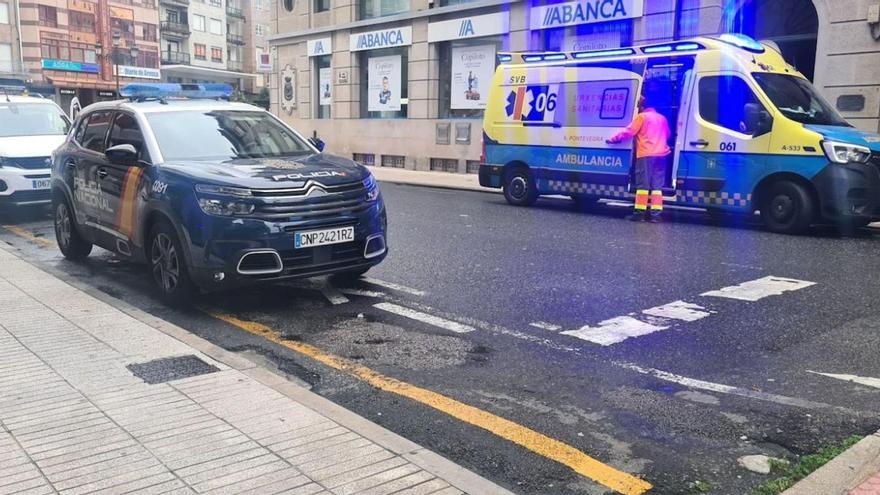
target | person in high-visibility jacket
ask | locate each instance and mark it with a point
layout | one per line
(651, 132)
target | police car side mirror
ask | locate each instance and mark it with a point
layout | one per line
(317, 143)
(122, 154)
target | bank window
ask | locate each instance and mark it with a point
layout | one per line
(96, 131)
(48, 16)
(323, 84)
(4, 13)
(199, 51)
(466, 70)
(198, 22)
(379, 8)
(322, 5)
(728, 101)
(383, 83)
(586, 37)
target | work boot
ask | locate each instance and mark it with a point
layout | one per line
(655, 219)
(636, 216)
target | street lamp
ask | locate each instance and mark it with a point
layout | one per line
(117, 40)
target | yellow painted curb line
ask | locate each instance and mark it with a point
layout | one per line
(538, 443)
(15, 229)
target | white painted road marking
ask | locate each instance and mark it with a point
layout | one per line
(756, 290)
(362, 293)
(393, 286)
(679, 310)
(543, 325)
(436, 321)
(861, 380)
(727, 389)
(333, 295)
(614, 330)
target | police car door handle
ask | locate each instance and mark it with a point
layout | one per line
(102, 172)
(700, 143)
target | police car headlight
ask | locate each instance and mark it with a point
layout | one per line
(845, 152)
(372, 188)
(223, 190)
(227, 208)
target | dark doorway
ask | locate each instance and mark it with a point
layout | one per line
(792, 24)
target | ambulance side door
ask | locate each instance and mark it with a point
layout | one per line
(726, 143)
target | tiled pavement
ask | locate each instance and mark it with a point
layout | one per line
(74, 420)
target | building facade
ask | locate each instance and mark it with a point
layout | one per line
(12, 73)
(208, 41)
(72, 50)
(403, 83)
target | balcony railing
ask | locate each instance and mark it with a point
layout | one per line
(175, 58)
(235, 65)
(235, 39)
(179, 28)
(175, 3)
(234, 11)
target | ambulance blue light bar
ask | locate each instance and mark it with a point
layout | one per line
(605, 53)
(742, 41)
(678, 47)
(142, 91)
(504, 58)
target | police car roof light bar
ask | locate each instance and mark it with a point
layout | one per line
(161, 91)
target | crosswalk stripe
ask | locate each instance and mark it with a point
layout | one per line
(755, 290)
(436, 321)
(393, 286)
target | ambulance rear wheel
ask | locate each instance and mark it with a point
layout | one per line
(788, 208)
(520, 188)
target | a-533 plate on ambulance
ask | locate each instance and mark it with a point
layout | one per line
(325, 237)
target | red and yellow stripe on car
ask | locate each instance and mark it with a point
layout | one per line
(126, 215)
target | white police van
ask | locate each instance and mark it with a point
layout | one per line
(30, 130)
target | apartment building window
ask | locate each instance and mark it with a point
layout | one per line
(216, 26)
(56, 49)
(150, 32)
(199, 51)
(48, 16)
(323, 84)
(148, 57)
(4, 13)
(124, 27)
(383, 83)
(5, 57)
(379, 8)
(262, 30)
(466, 70)
(217, 3)
(81, 21)
(288, 5)
(198, 23)
(322, 5)
(216, 54)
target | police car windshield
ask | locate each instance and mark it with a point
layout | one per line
(31, 119)
(798, 100)
(220, 135)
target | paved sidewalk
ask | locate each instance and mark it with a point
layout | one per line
(855, 472)
(75, 419)
(443, 180)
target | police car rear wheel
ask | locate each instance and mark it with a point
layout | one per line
(788, 208)
(168, 267)
(519, 188)
(72, 246)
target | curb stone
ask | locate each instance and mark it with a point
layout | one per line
(296, 390)
(843, 473)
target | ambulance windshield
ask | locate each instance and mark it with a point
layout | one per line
(798, 100)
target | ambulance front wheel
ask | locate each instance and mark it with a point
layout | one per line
(788, 208)
(519, 187)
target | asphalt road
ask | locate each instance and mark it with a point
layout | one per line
(675, 397)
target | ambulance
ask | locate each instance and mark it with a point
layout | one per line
(749, 132)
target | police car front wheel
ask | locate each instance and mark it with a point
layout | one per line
(168, 266)
(72, 246)
(519, 187)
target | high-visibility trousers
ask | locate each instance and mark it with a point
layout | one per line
(650, 174)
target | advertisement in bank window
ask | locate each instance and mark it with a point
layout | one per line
(383, 83)
(472, 70)
(325, 86)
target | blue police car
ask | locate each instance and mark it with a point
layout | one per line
(212, 194)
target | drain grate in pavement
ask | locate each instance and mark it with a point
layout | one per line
(173, 368)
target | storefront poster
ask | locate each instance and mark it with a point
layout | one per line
(472, 70)
(383, 84)
(325, 86)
